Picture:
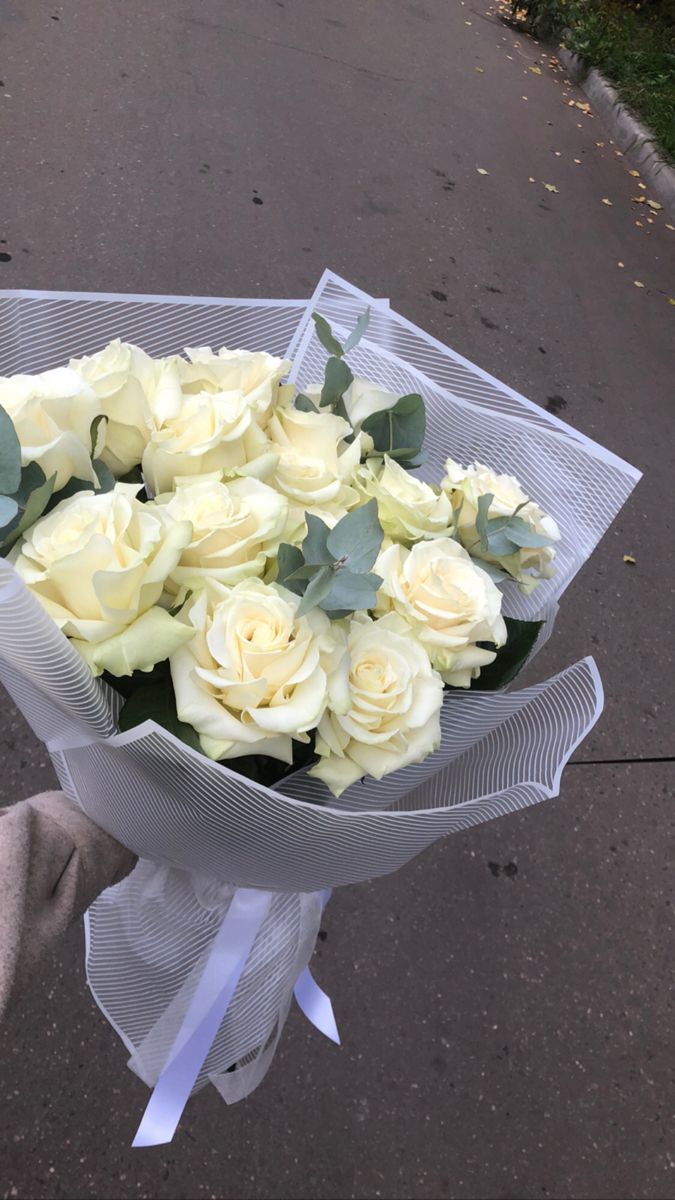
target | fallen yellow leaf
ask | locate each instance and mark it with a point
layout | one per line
(635, 174)
(600, 144)
(639, 224)
(620, 264)
(583, 105)
(606, 201)
(670, 227)
(479, 69)
(482, 171)
(628, 558)
(550, 187)
(535, 70)
(637, 283)
(655, 205)
(638, 199)
(670, 299)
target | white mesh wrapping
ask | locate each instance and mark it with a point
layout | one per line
(199, 828)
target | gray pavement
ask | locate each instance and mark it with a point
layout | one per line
(506, 1033)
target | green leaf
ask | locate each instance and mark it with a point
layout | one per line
(8, 511)
(499, 543)
(289, 559)
(326, 337)
(10, 456)
(308, 571)
(317, 588)
(337, 379)
(357, 538)
(314, 547)
(93, 433)
(522, 534)
(358, 331)
(511, 658)
(350, 593)
(399, 429)
(304, 404)
(484, 503)
(34, 505)
(157, 703)
(106, 479)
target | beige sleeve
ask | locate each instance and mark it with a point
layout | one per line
(53, 863)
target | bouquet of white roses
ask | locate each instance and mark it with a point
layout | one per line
(277, 594)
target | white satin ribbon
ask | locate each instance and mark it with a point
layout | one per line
(216, 987)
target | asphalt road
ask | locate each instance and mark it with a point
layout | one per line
(506, 1033)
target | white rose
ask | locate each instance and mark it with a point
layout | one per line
(449, 603)
(464, 486)
(124, 378)
(253, 373)
(389, 717)
(361, 399)
(98, 563)
(315, 464)
(52, 415)
(254, 677)
(206, 432)
(236, 527)
(408, 508)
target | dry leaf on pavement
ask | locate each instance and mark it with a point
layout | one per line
(482, 171)
(550, 187)
(628, 558)
(606, 201)
(637, 283)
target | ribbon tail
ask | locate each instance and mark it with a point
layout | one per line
(206, 1011)
(316, 1005)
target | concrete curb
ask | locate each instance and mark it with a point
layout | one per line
(635, 140)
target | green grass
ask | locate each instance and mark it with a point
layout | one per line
(633, 44)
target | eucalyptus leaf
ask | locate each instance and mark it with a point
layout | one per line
(314, 547)
(337, 379)
(106, 479)
(326, 336)
(8, 511)
(511, 658)
(289, 559)
(10, 456)
(358, 331)
(93, 433)
(350, 592)
(307, 571)
(304, 404)
(33, 507)
(317, 588)
(357, 538)
(400, 428)
(157, 703)
(483, 508)
(500, 545)
(524, 535)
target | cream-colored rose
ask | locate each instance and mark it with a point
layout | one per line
(237, 527)
(124, 379)
(464, 486)
(52, 415)
(361, 399)
(210, 432)
(98, 564)
(409, 509)
(315, 464)
(254, 677)
(389, 717)
(449, 603)
(253, 373)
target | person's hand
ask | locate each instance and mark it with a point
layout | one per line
(53, 863)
